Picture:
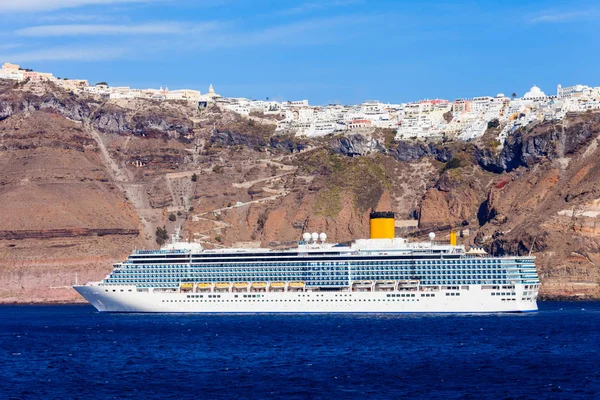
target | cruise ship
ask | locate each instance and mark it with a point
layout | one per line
(382, 274)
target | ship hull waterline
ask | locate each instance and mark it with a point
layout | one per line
(475, 300)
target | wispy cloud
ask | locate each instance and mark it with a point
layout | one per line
(67, 53)
(558, 17)
(9, 46)
(49, 5)
(169, 38)
(300, 33)
(162, 28)
(214, 34)
(316, 6)
(72, 17)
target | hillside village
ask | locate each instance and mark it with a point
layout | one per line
(88, 172)
(429, 119)
(437, 119)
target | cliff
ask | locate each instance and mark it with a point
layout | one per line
(83, 181)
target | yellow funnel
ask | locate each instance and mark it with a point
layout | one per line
(382, 225)
(453, 238)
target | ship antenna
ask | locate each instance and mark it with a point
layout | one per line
(175, 236)
(532, 244)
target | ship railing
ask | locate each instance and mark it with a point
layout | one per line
(487, 255)
(179, 251)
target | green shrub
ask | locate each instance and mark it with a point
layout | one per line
(452, 164)
(494, 143)
(493, 123)
(161, 235)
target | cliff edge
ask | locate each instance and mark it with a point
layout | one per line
(85, 180)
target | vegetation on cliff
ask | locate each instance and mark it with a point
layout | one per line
(116, 167)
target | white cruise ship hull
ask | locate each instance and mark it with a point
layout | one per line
(476, 299)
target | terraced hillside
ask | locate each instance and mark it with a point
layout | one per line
(83, 181)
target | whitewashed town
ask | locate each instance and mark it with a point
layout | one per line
(429, 119)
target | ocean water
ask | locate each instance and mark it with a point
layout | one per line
(74, 352)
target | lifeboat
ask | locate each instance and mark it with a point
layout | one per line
(411, 283)
(240, 285)
(187, 285)
(386, 284)
(259, 285)
(204, 285)
(277, 284)
(222, 285)
(363, 284)
(297, 284)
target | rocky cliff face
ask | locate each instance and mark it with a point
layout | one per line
(407, 151)
(544, 141)
(355, 145)
(110, 119)
(83, 181)
(148, 120)
(281, 144)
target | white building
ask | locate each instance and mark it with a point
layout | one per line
(72, 84)
(570, 91)
(535, 94)
(182, 94)
(481, 104)
(211, 96)
(124, 92)
(14, 75)
(298, 103)
(101, 90)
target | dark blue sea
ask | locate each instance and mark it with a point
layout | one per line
(74, 352)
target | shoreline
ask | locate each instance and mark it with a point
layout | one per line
(77, 300)
(85, 303)
(44, 303)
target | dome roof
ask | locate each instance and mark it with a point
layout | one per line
(534, 92)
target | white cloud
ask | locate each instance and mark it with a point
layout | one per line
(561, 16)
(73, 17)
(49, 5)
(9, 46)
(308, 32)
(101, 29)
(315, 6)
(141, 41)
(87, 53)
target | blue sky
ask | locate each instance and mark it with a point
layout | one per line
(342, 51)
